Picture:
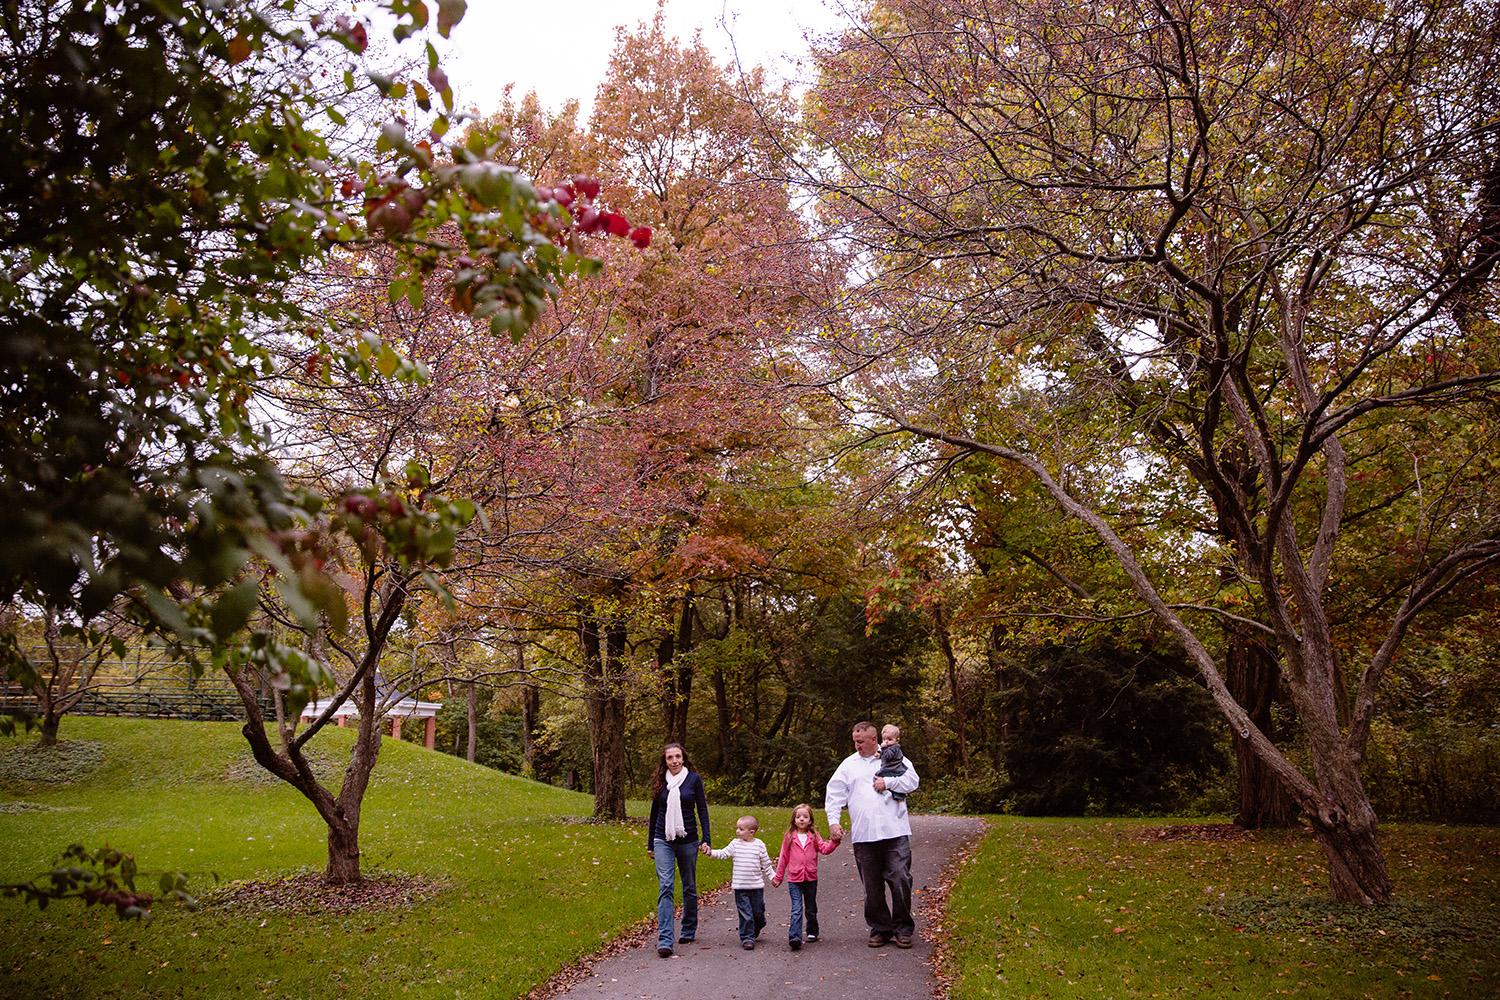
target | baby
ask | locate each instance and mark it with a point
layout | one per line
(892, 762)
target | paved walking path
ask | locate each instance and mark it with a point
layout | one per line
(839, 966)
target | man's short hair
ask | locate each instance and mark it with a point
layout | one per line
(862, 726)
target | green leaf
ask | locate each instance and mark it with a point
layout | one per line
(232, 611)
(167, 611)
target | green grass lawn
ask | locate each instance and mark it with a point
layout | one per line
(1045, 908)
(525, 886)
(1100, 909)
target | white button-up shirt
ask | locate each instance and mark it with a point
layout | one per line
(872, 815)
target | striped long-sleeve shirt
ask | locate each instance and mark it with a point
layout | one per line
(752, 863)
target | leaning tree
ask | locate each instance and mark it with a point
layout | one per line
(1241, 252)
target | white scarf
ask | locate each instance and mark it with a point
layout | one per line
(674, 825)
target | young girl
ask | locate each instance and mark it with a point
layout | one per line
(798, 863)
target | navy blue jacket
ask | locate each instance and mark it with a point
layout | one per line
(693, 801)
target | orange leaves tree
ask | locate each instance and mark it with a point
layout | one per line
(1239, 250)
(598, 441)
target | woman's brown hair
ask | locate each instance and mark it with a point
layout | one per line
(659, 779)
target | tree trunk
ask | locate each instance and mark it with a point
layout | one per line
(945, 643)
(765, 768)
(605, 698)
(51, 722)
(473, 721)
(1252, 673)
(531, 711)
(607, 725)
(457, 737)
(721, 706)
(531, 707)
(1356, 864)
(1006, 717)
(343, 855)
(666, 650)
(343, 832)
(677, 676)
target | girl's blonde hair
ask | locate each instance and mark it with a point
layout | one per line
(791, 827)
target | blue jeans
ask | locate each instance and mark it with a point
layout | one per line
(886, 864)
(804, 896)
(751, 905)
(684, 855)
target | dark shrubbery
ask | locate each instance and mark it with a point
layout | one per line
(1435, 752)
(1443, 771)
(1106, 726)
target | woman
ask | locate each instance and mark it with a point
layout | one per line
(673, 838)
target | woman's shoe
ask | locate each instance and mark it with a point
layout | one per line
(795, 944)
(812, 936)
(686, 940)
(664, 952)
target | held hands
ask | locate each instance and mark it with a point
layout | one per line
(703, 849)
(835, 833)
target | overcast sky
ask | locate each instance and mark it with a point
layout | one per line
(561, 49)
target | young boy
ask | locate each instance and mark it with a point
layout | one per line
(892, 762)
(752, 869)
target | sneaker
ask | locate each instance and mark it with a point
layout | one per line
(903, 940)
(664, 952)
(812, 936)
(748, 945)
(878, 940)
(795, 944)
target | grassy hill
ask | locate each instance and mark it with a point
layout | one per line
(513, 885)
(516, 885)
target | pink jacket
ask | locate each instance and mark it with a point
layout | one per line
(799, 862)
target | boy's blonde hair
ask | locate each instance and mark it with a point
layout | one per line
(754, 823)
(791, 825)
(893, 728)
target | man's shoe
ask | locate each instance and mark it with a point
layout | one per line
(795, 944)
(903, 940)
(748, 945)
(812, 936)
(686, 940)
(664, 952)
(878, 940)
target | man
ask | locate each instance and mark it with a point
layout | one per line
(881, 834)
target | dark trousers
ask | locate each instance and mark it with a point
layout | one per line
(751, 904)
(804, 898)
(886, 865)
